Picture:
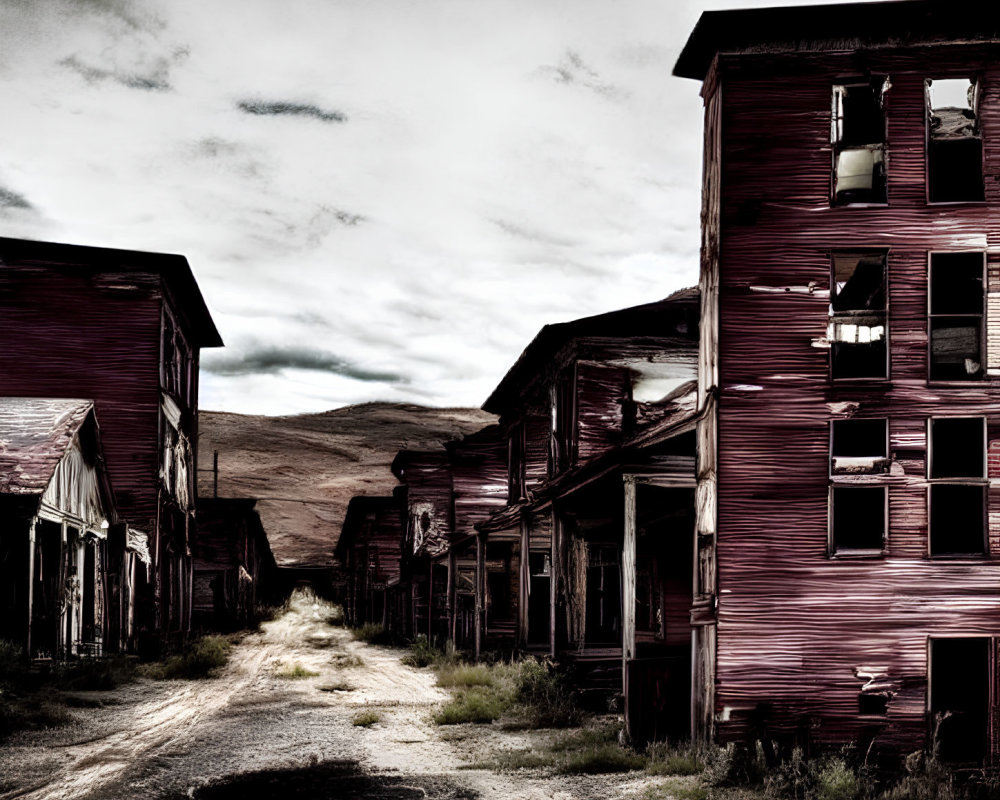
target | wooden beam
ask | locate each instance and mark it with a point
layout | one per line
(554, 579)
(452, 612)
(480, 591)
(628, 585)
(524, 584)
(31, 582)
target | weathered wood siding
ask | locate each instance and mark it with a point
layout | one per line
(71, 333)
(795, 626)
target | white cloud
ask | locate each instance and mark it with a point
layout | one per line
(501, 164)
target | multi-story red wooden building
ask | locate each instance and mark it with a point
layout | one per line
(848, 527)
(123, 329)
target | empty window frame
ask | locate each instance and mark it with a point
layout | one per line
(858, 136)
(955, 302)
(562, 450)
(859, 447)
(857, 328)
(857, 519)
(956, 468)
(954, 141)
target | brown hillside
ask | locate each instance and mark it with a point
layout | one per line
(305, 469)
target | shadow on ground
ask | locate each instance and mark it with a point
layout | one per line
(332, 780)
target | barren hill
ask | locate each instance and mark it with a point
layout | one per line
(305, 469)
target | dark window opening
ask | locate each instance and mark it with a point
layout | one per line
(563, 449)
(958, 447)
(540, 570)
(859, 447)
(954, 141)
(858, 518)
(873, 704)
(858, 135)
(857, 328)
(957, 524)
(604, 596)
(959, 699)
(955, 305)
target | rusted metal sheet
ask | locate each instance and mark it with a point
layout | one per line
(790, 615)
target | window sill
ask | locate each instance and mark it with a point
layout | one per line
(855, 381)
(856, 555)
(858, 205)
(951, 557)
(957, 203)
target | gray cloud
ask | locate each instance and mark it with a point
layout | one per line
(9, 199)
(573, 70)
(282, 108)
(154, 81)
(272, 360)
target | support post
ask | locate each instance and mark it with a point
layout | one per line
(480, 591)
(628, 586)
(524, 584)
(554, 568)
(31, 582)
(452, 611)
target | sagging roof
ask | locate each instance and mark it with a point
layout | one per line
(358, 507)
(840, 26)
(174, 270)
(35, 434)
(638, 321)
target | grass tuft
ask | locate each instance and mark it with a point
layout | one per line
(464, 676)
(365, 719)
(372, 633)
(477, 704)
(665, 759)
(601, 759)
(202, 658)
(295, 672)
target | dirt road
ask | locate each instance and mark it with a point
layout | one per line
(254, 732)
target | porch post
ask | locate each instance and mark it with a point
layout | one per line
(524, 585)
(480, 590)
(31, 582)
(628, 584)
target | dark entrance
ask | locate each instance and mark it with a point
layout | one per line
(959, 699)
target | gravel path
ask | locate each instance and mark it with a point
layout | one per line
(249, 729)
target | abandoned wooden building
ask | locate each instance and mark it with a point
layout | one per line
(234, 569)
(62, 575)
(848, 516)
(370, 552)
(124, 329)
(597, 534)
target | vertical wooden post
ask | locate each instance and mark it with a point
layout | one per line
(452, 611)
(554, 568)
(215, 473)
(61, 646)
(628, 587)
(430, 602)
(31, 582)
(480, 591)
(524, 584)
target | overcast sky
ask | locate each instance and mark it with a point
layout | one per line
(381, 199)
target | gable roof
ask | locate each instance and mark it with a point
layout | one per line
(649, 320)
(35, 434)
(839, 26)
(173, 269)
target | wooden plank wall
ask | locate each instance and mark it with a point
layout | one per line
(797, 629)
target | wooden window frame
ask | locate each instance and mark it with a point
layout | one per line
(983, 482)
(836, 121)
(976, 81)
(982, 320)
(834, 315)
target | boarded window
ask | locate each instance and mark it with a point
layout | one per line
(857, 327)
(859, 447)
(857, 518)
(957, 471)
(955, 305)
(858, 135)
(954, 141)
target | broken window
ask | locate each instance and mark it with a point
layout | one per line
(562, 451)
(955, 305)
(954, 141)
(957, 470)
(859, 447)
(857, 328)
(858, 136)
(858, 515)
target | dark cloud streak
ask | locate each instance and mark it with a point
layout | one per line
(154, 82)
(9, 199)
(281, 108)
(272, 360)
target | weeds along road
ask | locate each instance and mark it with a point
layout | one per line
(278, 721)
